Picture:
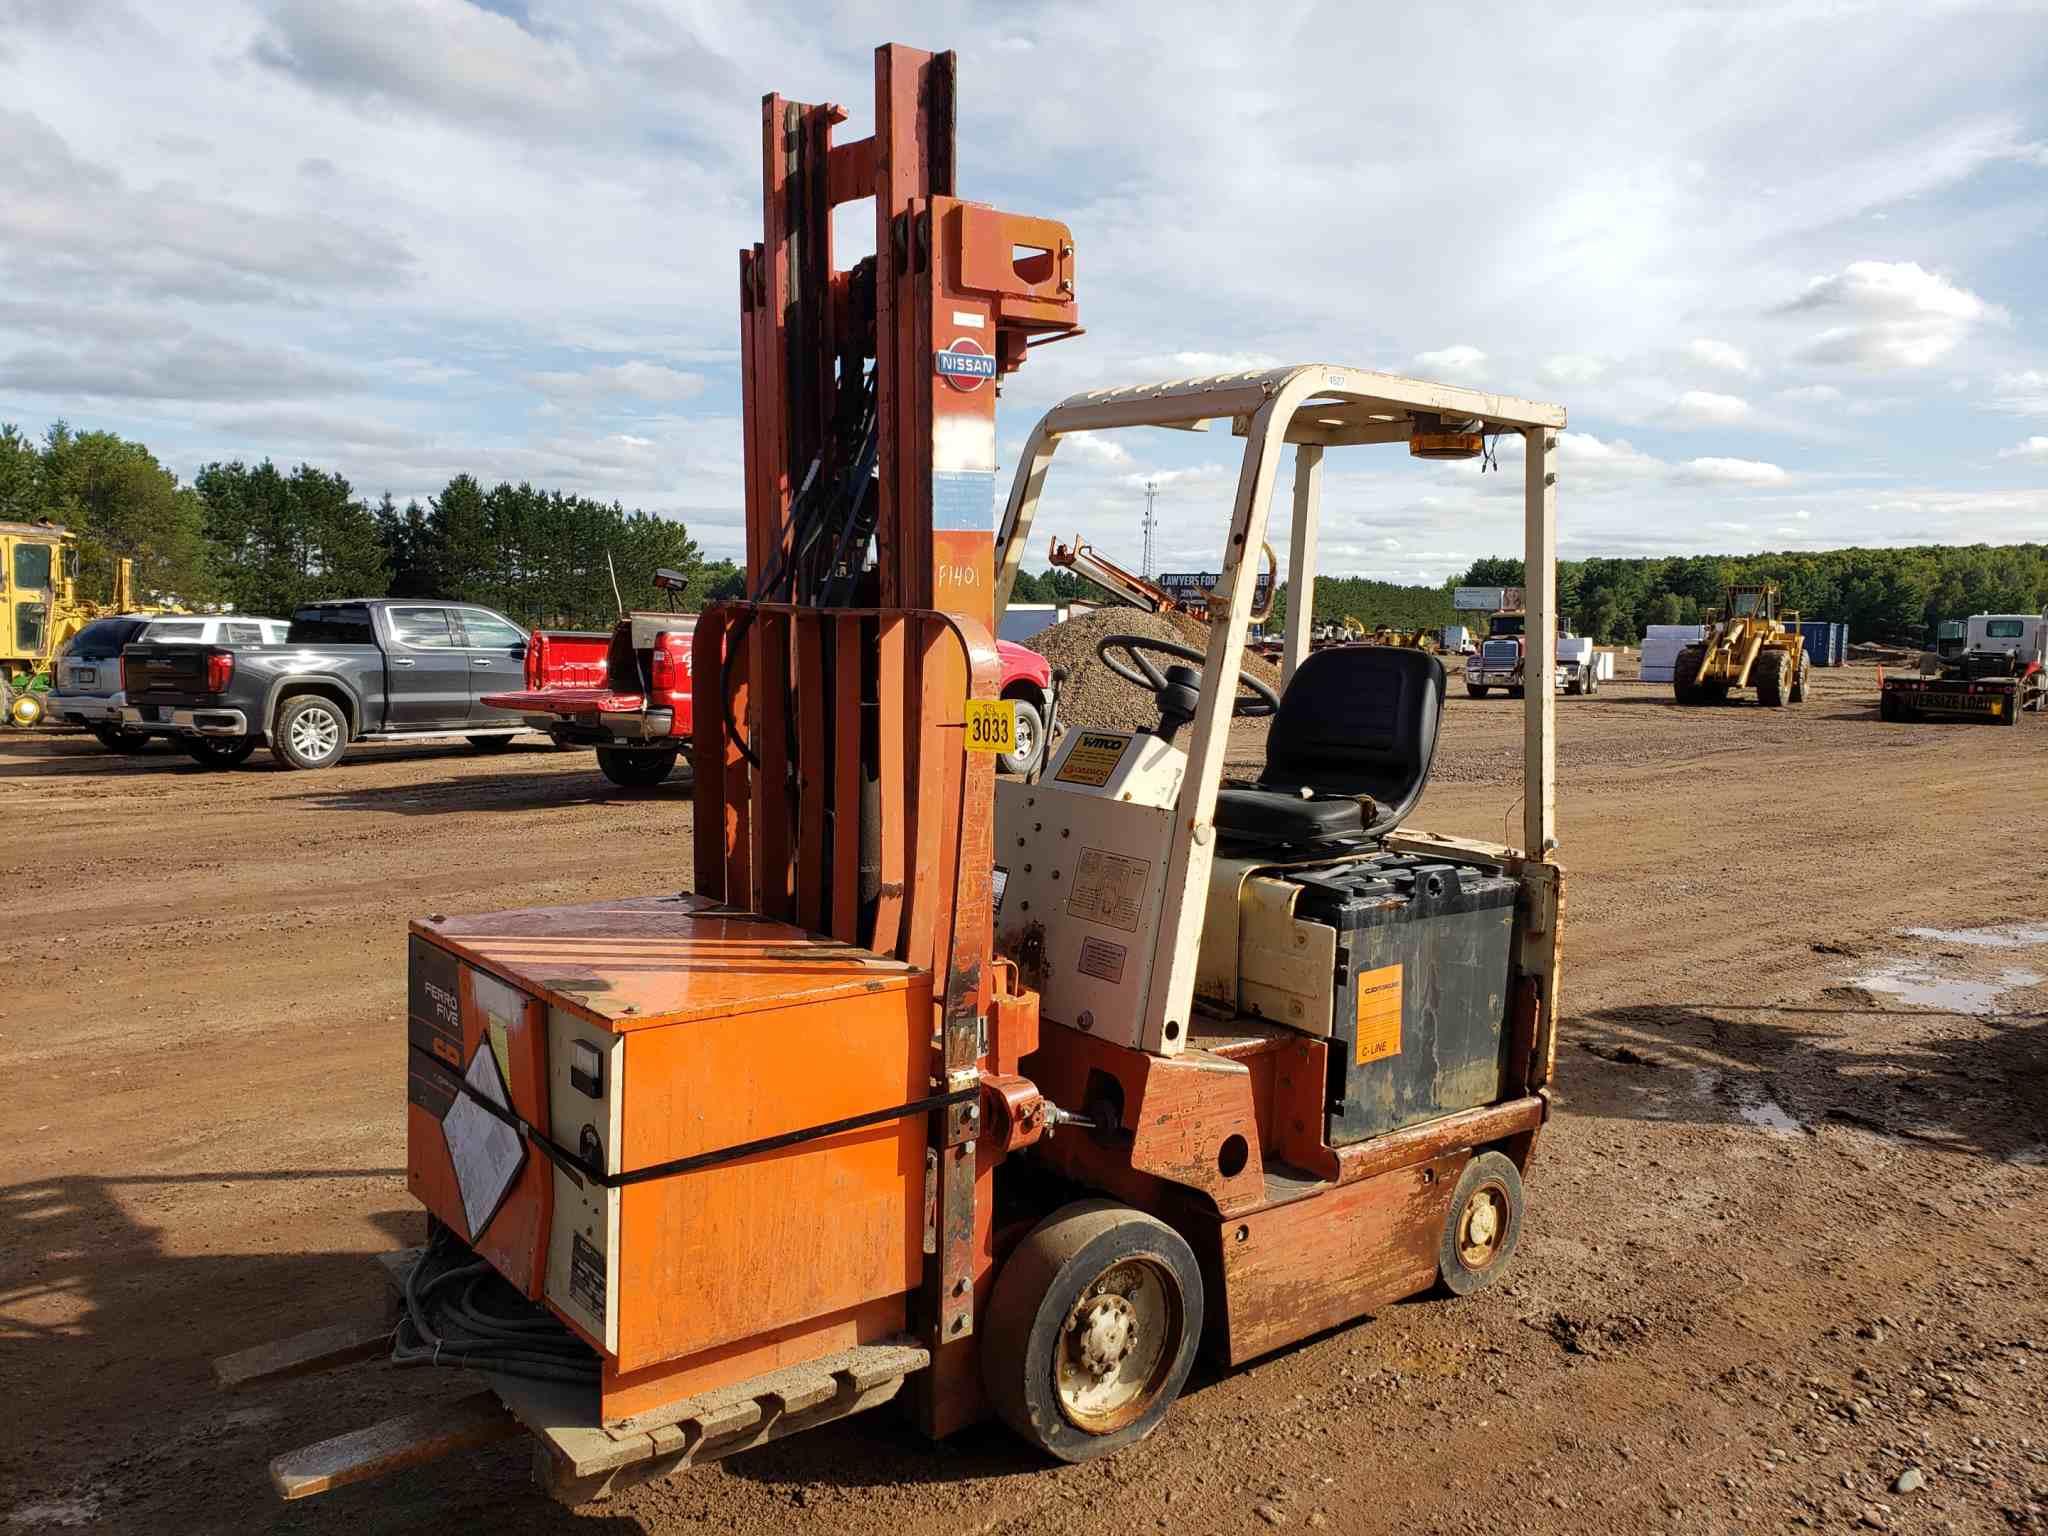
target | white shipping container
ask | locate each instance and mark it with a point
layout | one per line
(1676, 631)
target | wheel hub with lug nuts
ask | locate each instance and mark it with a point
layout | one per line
(1483, 1219)
(1107, 1330)
(1118, 1346)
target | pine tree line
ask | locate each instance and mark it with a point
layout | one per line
(264, 540)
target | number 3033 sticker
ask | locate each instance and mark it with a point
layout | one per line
(991, 725)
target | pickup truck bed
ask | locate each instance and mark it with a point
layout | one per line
(638, 713)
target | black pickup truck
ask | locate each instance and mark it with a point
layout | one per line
(373, 669)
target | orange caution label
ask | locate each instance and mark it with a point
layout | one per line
(1379, 1014)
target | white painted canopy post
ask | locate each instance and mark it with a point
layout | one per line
(1539, 695)
(1301, 556)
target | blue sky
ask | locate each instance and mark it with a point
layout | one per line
(1783, 264)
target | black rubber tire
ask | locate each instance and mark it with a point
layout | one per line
(1030, 718)
(1773, 677)
(1037, 1292)
(116, 739)
(217, 751)
(490, 743)
(1888, 707)
(1478, 690)
(1496, 1174)
(1685, 676)
(634, 768)
(289, 714)
(1516, 693)
(1798, 693)
(1574, 687)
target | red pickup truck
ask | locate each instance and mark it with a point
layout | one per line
(628, 695)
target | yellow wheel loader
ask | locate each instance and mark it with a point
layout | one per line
(40, 610)
(1751, 643)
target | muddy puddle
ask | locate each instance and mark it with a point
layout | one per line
(1939, 982)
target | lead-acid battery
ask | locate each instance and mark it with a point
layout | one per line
(1420, 990)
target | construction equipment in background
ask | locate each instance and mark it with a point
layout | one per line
(2000, 674)
(1188, 594)
(1751, 643)
(707, 1168)
(1502, 659)
(1407, 639)
(40, 610)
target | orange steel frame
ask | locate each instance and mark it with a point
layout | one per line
(821, 699)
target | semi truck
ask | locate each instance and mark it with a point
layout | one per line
(2000, 674)
(1502, 659)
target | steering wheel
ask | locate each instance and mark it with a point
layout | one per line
(1139, 671)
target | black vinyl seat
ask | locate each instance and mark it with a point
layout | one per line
(1356, 721)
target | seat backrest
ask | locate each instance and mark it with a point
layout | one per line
(1359, 720)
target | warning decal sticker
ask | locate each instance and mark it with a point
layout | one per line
(1093, 758)
(433, 1024)
(586, 1276)
(1379, 1014)
(1102, 960)
(1109, 888)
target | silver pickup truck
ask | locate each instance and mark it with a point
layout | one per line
(371, 669)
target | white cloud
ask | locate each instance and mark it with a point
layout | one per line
(1096, 448)
(1717, 354)
(1811, 394)
(1895, 314)
(635, 379)
(1704, 408)
(1572, 368)
(2021, 394)
(461, 60)
(1460, 361)
(1736, 471)
(2034, 451)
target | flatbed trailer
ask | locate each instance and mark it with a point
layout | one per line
(1999, 673)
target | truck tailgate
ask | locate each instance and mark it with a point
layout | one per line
(164, 669)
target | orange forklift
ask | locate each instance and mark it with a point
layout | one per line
(996, 1100)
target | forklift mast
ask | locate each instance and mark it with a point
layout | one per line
(832, 790)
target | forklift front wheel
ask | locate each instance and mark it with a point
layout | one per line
(1482, 1225)
(1092, 1329)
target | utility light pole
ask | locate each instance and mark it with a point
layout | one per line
(1151, 525)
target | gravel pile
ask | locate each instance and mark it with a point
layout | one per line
(1094, 699)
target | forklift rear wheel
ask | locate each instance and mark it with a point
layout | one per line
(1482, 1225)
(1092, 1328)
(631, 768)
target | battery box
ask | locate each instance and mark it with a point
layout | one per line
(1419, 992)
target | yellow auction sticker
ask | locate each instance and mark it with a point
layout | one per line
(1379, 1014)
(991, 725)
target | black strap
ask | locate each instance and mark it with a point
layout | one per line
(574, 1166)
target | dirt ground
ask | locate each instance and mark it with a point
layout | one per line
(1788, 1233)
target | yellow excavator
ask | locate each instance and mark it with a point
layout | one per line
(1751, 643)
(40, 610)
